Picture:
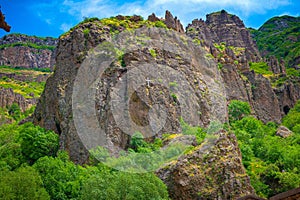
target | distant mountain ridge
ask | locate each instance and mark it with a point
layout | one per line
(280, 37)
(19, 50)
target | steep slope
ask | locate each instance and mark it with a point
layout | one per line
(121, 75)
(25, 65)
(21, 86)
(54, 110)
(226, 38)
(152, 74)
(222, 27)
(17, 50)
(280, 37)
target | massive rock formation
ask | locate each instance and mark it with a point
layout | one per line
(27, 51)
(160, 75)
(54, 110)
(169, 20)
(221, 28)
(212, 171)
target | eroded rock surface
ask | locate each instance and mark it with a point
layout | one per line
(227, 39)
(176, 52)
(22, 51)
(8, 97)
(213, 171)
(224, 27)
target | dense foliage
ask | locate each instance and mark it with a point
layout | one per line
(272, 162)
(292, 119)
(32, 168)
(27, 44)
(279, 36)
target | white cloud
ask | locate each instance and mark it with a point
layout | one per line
(103, 8)
(48, 21)
(186, 10)
(65, 27)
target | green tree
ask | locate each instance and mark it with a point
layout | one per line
(292, 119)
(24, 183)
(116, 185)
(61, 177)
(272, 162)
(137, 141)
(37, 142)
(15, 111)
(238, 109)
(10, 148)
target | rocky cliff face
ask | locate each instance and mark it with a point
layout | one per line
(230, 43)
(169, 21)
(178, 53)
(158, 76)
(210, 172)
(8, 97)
(27, 51)
(223, 27)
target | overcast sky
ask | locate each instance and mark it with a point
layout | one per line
(53, 17)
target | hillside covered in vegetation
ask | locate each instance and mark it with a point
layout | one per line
(280, 37)
(231, 112)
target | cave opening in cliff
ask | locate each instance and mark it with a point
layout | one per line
(286, 109)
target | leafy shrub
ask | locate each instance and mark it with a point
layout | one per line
(120, 185)
(292, 119)
(61, 178)
(160, 24)
(23, 183)
(28, 44)
(37, 142)
(271, 161)
(193, 130)
(260, 68)
(15, 111)
(238, 109)
(137, 141)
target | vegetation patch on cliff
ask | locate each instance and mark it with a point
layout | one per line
(271, 161)
(279, 36)
(23, 81)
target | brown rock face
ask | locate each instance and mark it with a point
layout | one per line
(275, 66)
(268, 103)
(177, 53)
(264, 100)
(170, 21)
(223, 27)
(153, 18)
(173, 23)
(160, 76)
(288, 94)
(54, 109)
(8, 97)
(283, 131)
(212, 171)
(26, 56)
